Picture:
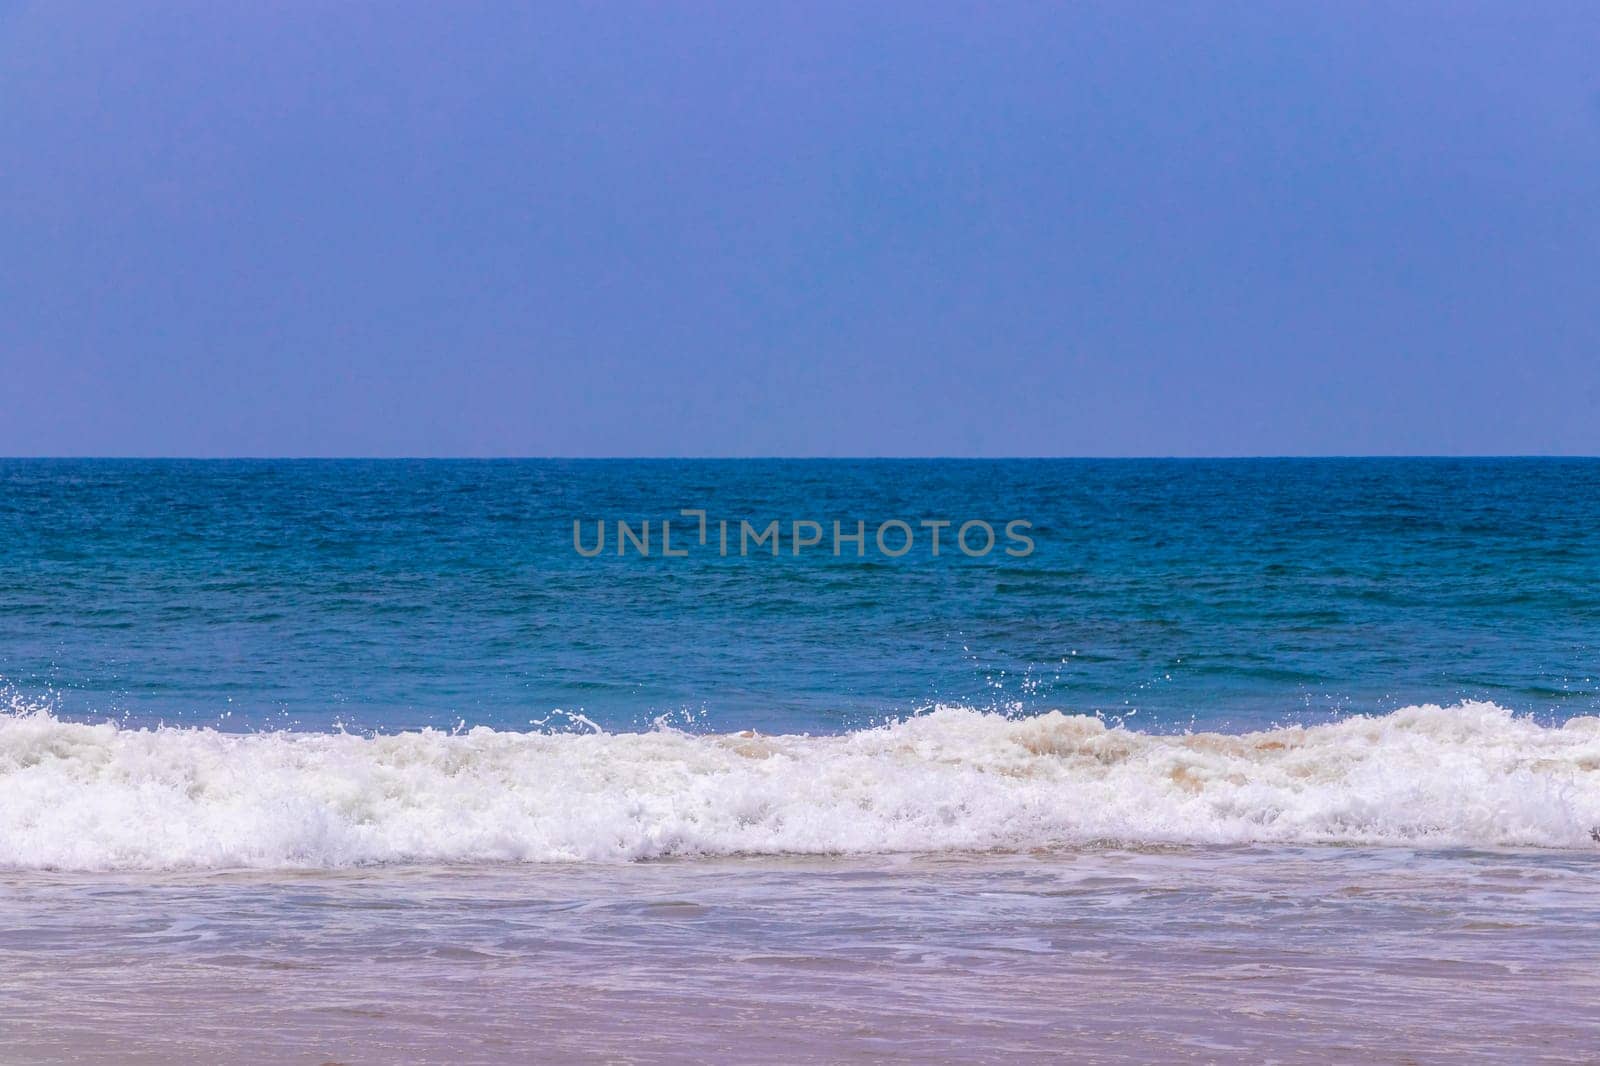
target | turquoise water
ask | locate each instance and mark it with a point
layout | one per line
(383, 596)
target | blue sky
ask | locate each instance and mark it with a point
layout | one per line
(799, 229)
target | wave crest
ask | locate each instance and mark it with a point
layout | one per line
(99, 797)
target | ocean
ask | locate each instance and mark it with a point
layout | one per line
(644, 760)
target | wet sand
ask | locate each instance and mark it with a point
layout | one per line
(1181, 955)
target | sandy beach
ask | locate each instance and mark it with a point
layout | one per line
(1177, 955)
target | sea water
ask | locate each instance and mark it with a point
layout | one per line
(1301, 755)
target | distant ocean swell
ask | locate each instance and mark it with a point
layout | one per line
(99, 797)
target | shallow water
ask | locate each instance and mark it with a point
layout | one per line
(1187, 954)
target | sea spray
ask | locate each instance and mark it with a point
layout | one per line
(100, 797)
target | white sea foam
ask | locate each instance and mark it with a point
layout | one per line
(91, 797)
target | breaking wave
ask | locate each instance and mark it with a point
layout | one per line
(99, 797)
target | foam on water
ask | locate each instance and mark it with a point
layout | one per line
(96, 797)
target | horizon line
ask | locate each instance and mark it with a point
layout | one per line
(266, 458)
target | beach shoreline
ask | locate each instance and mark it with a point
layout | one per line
(1100, 955)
